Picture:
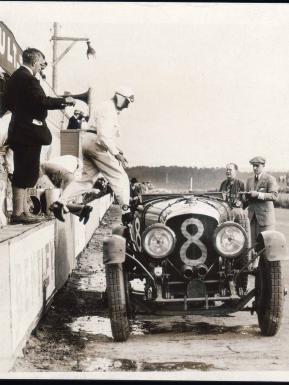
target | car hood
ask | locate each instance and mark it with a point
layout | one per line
(163, 210)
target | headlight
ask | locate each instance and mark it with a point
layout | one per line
(230, 240)
(158, 240)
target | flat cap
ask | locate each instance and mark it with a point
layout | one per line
(258, 159)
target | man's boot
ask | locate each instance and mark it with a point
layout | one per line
(17, 200)
(58, 210)
(80, 210)
(18, 216)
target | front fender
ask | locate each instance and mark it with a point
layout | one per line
(275, 245)
(114, 249)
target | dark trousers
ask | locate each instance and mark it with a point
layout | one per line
(256, 228)
(26, 165)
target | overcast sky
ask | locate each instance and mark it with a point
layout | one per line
(211, 81)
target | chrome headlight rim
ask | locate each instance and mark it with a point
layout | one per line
(230, 254)
(162, 227)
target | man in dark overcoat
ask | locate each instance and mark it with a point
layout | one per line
(28, 130)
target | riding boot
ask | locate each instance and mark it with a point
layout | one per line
(18, 216)
(58, 210)
(80, 210)
(17, 200)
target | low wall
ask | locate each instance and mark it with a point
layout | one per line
(35, 262)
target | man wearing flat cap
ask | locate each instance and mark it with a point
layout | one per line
(262, 191)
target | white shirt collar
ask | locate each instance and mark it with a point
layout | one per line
(29, 69)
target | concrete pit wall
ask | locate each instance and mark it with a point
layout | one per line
(35, 262)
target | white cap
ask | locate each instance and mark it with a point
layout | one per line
(126, 92)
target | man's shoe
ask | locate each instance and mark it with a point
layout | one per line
(80, 210)
(32, 216)
(23, 219)
(91, 196)
(85, 213)
(57, 209)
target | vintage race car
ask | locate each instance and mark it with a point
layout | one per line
(191, 257)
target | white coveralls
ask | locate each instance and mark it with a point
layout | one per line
(6, 159)
(99, 152)
(60, 170)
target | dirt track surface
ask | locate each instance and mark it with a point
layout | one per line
(75, 334)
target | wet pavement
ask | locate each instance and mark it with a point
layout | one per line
(75, 333)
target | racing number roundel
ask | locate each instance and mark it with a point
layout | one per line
(137, 236)
(193, 239)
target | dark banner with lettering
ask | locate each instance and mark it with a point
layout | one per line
(10, 51)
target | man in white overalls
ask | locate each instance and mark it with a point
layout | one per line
(101, 154)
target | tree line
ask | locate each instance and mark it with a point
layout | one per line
(181, 178)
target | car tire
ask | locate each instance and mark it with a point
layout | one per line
(34, 205)
(129, 306)
(269, 296)
(116, 295)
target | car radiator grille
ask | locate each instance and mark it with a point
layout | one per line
(194, 239)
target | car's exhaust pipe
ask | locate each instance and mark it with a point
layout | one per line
(188, 271)
(202, 270)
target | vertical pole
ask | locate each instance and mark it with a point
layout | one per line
(54, 68)
(89, 101)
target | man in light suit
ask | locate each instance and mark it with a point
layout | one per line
(262, 191)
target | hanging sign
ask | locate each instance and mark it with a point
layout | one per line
(10, 50)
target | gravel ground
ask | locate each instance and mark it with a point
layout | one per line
(75, 335)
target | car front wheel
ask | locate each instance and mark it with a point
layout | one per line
(116, 295)
(269, 296)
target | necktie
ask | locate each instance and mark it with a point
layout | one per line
(256, 180)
